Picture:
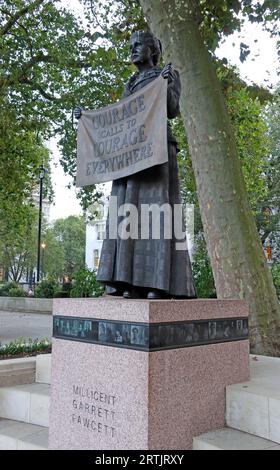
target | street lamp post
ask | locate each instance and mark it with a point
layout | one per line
(42, 172)
(43, 246)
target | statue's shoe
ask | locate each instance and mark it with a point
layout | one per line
(117, 293)
(132, 294)
(127, 294)
(154, 295)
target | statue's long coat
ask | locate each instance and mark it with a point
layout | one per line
(154, 264)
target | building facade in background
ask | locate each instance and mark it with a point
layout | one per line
(95, 233)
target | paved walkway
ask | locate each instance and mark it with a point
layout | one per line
(28, 325)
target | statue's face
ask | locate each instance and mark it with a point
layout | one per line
(140, 52)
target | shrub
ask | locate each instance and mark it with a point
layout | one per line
(65, 290)
(202, 271)
(46, 289)
(11, 289)
(85, 284)
(25, 347)
(275, 271)
(17, 292)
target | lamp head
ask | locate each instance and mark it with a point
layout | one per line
(42, 172)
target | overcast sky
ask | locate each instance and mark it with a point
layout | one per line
(260, 68)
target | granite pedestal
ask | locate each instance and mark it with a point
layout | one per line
(139, 374)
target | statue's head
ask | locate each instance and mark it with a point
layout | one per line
(144, 46)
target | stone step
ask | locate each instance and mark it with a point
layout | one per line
(231, 439)
(43, 368)
(21, 436)
(26, 403)
(17, 371)
(254, 406)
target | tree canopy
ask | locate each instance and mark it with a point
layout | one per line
(65, 247)
(52, 59)
(268, 214)
(48, 61)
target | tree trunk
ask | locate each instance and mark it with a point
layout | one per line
(237, 258)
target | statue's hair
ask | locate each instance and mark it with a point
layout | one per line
(150, 40)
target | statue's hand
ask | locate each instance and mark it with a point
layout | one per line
(77, 111)
(168, 73)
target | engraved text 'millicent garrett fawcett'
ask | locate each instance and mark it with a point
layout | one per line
(94, 410)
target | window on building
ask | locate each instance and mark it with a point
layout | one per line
(101, 211)
(100, 231)
(95, 258)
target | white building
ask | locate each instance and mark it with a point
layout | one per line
(95, 233)
(46, 205)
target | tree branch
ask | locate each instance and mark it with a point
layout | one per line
(36, 86)
(36, 59)
(45, 58)
(265, 235)
(27, 39)
(19, 14)
(21, 75)
(22, 267)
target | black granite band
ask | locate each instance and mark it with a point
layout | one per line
(150, 337)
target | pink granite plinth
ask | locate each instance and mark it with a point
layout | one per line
(106, 397)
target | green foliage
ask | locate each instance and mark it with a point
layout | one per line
(23, 347)
(46, 289)
(21, 153)
(218, 18)
(64, 291)
(268, 216)
(4, 288)
(275, 271)
(44, 49)
(17, 292)
(49, 63)
(202, 272)
(251, 133)
(85, 284)
(12, 289)
(50, 289)
(72, 234)
(53, 258)
(65, 247)
(18, 246)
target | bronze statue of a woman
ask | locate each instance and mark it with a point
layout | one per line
(148, 268)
